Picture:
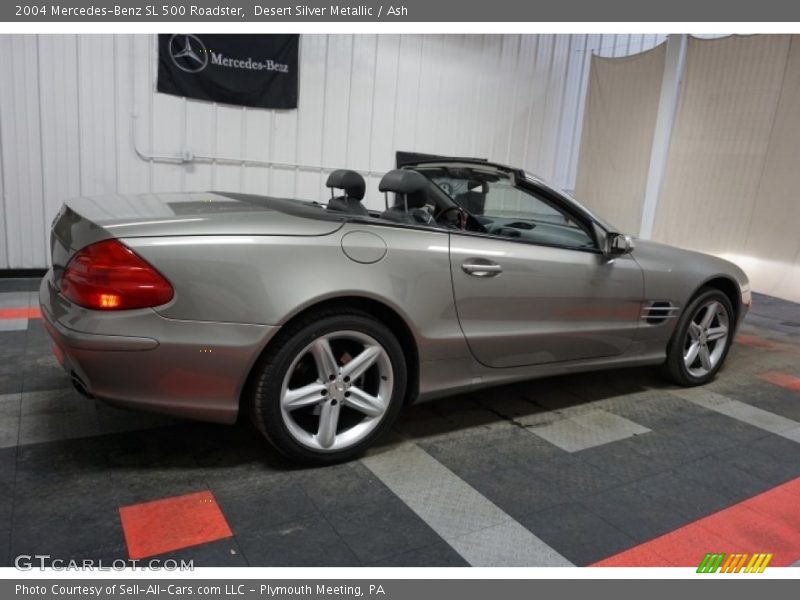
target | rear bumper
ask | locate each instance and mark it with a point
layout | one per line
(138, 359)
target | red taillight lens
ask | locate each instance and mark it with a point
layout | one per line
(110, 276)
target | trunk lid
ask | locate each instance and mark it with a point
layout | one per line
(85, 220)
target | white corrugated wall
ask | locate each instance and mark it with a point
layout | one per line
(74, 109)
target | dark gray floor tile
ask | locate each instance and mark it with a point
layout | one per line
(59, 462)
(64, 525)
(704, 435)
(464, 455)
(163, 446)
(232, 454)
(150, 465)
(665, 448)
(137, 485)
(376, 531)
(340, 486)
(19, 284)
(436, 555)
(571, 476)
(9, 430)
(771, 324)
(258, 504)
(761, 465)
(242, 465)
(516, 491)
(310, 542)
(6, 503)
(684, 496)
(11, 383)
(661, 410)
(55, 403)
(5, 539)
(784, 453)
(10, 359)
(634, 513)
(8, 465)
(492, 450)
(222, 553)
(593, 386)
(520, 447)
(621, 462)
(37, 334)
(775, 308)
(770, 397)
(41, 372)
(577, 533)
(82, 494)
(717, 425)
(12, 345)
(719, 474)
(111, 420)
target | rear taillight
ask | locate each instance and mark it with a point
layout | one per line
(110, 276)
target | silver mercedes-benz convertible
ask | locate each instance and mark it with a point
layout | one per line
(321, 321)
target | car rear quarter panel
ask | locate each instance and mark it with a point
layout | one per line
(269, 279)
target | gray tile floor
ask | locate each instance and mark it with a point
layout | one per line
(560, 471)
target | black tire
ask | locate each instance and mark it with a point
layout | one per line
(675, 367)
(264, 401)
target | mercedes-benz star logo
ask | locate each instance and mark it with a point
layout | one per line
(188, 53)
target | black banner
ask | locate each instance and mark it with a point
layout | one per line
(246, 70)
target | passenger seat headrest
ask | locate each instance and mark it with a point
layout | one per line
(351, 182)
(401, 181)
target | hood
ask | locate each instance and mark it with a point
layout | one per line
(666, 257)
(676, 274)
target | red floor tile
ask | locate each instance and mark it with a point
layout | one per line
(769, 523)
(171, 524)
(640, 556)
(753, 341)
(20, 313)
(790, 382)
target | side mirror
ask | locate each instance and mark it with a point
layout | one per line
(618, 244)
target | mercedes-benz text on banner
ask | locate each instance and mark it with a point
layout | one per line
(245, 70)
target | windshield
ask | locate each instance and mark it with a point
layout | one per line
(505, 209)
(570, 198)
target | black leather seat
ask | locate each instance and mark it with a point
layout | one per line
(410, 189)
(353, 186)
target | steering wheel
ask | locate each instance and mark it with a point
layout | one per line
(461, 218)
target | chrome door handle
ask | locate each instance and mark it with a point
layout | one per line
(480, 267)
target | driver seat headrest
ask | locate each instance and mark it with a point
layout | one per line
(408, 184)
(351, 182)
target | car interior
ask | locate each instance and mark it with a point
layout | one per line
(469, 198)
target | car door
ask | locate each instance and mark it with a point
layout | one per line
(535, 288)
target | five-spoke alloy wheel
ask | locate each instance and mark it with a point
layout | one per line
(702, 339)
(330, 387)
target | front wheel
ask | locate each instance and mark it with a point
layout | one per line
(702, 339)
(329, 387)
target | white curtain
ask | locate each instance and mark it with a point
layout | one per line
(733, 172)
(732, 181)
(618, 127)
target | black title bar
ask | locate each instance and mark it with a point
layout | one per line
(405, 11)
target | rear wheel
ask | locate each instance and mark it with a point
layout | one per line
(329, 387)
(702, 339)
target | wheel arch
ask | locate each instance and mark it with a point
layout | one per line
(381, 311)
(727, 286)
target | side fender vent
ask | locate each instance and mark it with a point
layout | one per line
(657, 312)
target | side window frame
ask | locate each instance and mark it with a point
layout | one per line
(586, 224)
